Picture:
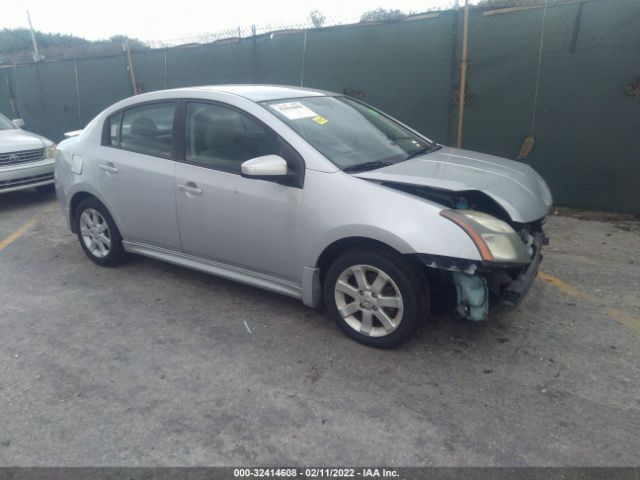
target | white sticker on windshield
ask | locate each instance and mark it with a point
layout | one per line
(294, 110)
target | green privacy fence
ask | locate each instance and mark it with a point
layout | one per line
(563, 75)
(585, 124)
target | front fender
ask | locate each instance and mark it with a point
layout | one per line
(360, 208)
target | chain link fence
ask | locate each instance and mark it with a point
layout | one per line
(554, 84)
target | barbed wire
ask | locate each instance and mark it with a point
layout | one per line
(103, 49)
(267, 28)
(240, 32)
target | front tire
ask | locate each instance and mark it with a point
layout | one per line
(98, 235)
(377, 298)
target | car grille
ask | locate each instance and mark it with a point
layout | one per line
(25, 181)
(11, 158)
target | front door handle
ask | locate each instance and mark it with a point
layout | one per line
(108, 167)
(191, 188)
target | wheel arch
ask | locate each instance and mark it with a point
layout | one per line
(75, 200)
(335, 249)
(401, 270)
(313, 277)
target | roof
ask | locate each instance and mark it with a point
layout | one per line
(260, 93)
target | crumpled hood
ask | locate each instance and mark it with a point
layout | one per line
(513, 185)
(15, 140)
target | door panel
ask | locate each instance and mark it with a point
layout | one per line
(141, 196)
(242, 222)
(135, 174)
(248, 223)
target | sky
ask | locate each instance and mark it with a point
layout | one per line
(167, 19)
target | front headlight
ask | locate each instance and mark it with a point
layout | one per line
(50, 151)
(496, 240)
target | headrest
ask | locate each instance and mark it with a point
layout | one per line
(215, 127)
(144, 127)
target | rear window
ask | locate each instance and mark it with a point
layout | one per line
(113, 129)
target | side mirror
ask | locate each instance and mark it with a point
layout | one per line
(267, 167)
(18, 122)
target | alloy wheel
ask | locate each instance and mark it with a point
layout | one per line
(95, 233)
(368, 300)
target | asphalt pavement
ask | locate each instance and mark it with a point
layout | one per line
(153, 364)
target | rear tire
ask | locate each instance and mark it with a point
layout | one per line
(377, 298)
(98, 235)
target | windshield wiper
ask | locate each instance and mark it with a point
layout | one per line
(361, 167)
(423, 150)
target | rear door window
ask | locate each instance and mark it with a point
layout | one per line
(113, 129)
(147, 129)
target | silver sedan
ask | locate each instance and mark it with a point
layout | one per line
(309, 194)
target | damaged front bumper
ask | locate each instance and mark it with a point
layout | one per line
(478, 282)
(516, 290)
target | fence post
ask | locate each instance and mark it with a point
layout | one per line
(165, 67)
(130, 63)
(463, 72)
(12, 97)
(304, 51)
(75, 68)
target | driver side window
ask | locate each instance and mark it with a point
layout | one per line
(223, 138)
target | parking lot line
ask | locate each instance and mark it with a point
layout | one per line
(568, 290)
(577, 294)
(16, 234)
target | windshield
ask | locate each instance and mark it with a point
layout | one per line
(350, 134)
(5, 123)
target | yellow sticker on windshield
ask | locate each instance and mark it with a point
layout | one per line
(320, 120)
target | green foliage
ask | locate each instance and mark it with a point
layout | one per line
(383, 15)
(317, 18)
(134, 43)
(17, 43)
(19, 40)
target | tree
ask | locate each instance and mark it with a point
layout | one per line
(383, 15)
(19, 39)
(134, 43)
(317, 18)
(16, 46)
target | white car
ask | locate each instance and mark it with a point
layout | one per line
(26, 159)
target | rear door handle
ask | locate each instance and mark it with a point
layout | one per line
(191, 188)
(108, 167)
